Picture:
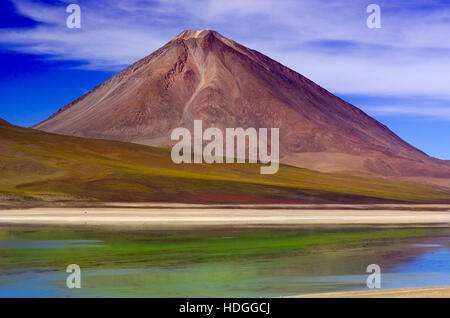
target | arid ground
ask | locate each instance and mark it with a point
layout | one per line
(418, 292)
(186, 214)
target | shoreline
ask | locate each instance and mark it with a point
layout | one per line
(250, 216)
(413, 292)
(23, 205)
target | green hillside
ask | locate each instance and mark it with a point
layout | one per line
(35, 165)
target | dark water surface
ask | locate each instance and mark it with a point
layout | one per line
(217, 262)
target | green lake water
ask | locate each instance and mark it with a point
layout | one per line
(217, 262)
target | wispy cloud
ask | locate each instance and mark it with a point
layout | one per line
(326, 41)
(437, 113)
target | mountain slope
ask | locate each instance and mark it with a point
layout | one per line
(36, 165)
(203, 75)
(4, 122)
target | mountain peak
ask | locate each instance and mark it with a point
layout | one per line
(195, 34)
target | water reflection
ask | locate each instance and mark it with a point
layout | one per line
(215, 263)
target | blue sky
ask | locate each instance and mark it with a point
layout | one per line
(399, 74)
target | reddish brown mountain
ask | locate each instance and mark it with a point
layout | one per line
(203, 75)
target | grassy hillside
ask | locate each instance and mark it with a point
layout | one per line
(35, 165)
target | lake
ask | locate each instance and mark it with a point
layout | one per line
(217, 262)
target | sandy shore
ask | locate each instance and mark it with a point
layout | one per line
(219, 216)
(418, 292)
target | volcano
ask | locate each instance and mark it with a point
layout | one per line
(202, 75)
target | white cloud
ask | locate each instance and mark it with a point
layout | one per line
(440, 113)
